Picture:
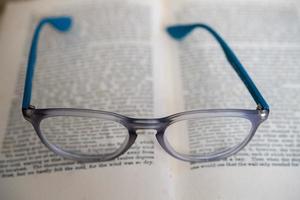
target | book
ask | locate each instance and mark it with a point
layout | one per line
(118, 57)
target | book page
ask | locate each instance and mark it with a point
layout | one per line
(106, 62)
(266, 37)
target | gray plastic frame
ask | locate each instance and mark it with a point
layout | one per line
(35, 116)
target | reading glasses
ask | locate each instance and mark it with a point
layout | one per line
(93, 135)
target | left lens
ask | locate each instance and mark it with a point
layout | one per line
(84, 135)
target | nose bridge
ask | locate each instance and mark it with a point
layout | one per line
(147, 124)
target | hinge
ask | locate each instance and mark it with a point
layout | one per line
(262, 112)
(259, 107)
(31, 107)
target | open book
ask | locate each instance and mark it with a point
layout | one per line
(118, 58)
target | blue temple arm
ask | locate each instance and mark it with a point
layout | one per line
(61, 24)
(179, 32)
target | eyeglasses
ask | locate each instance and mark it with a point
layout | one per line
(195, 136)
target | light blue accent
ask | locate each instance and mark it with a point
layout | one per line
(179, 32)
(62, 24)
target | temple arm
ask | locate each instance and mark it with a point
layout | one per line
(179, 32)
(62, 24)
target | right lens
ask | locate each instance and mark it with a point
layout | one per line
(84, 135)
(207, 136)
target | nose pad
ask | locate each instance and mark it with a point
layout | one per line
(148, 136)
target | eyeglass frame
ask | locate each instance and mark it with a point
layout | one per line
(177, 32)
